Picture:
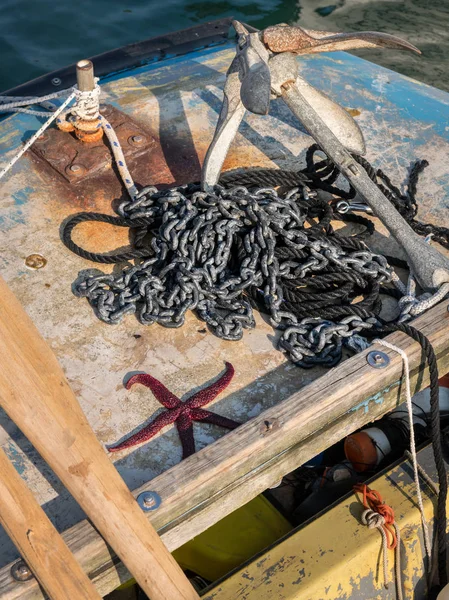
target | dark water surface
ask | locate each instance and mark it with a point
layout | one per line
(37, 36)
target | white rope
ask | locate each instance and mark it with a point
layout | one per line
(412, 305)
(10, 103)
(397, 563)
(38, 133)
(422, 305)
(374, 520)
(87, 105)
(119, 157)
(87, 108)
(424, 475)
(408, 398)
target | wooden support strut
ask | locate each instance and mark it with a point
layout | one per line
(36, 396)
(37, 540)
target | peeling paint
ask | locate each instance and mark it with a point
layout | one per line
(377, 398)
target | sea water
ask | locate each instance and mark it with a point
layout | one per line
(38, 36)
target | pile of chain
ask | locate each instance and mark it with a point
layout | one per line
(221, 254)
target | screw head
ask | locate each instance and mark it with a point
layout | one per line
(105, 109)
(149, 501)
(56, 81)
(35, 261)
(20, 571)
(377, 359)
(137, 140)
(75, 169)
(267, 426)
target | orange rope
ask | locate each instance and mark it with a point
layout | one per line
(373, 500)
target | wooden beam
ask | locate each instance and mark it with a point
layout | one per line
(36, 396)
(228, 473)
(37, 540)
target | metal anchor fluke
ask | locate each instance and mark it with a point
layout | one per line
(265, 67)
(284, 38)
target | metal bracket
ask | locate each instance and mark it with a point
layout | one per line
(77, 161)
(377, 359)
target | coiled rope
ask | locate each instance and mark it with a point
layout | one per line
(86, 110)
(378, 515)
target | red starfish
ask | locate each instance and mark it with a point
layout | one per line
(181, 413)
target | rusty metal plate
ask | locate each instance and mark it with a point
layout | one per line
(77, 161)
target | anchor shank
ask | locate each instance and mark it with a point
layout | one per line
(429, 266)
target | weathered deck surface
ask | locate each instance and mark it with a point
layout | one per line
(177, 102)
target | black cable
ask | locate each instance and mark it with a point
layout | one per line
(104, 258)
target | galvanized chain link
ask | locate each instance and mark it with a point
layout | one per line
(207, 250)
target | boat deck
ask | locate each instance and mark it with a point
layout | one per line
(176, 103)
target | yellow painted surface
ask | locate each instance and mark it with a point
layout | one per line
(233, 540)
(336, 556)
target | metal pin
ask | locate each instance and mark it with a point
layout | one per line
(85, 75)
(149, 501)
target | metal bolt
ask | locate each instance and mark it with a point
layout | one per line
(56, 81)
(105, 109)
(268, 426)
(20, 571)
(353, 168)
(377, 359)
(136, 140)
(149, 501)
(35, 261)
(75, 169)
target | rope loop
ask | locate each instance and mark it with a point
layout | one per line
(87, 106)
(372, 519)
(378, 515)
(373, 501)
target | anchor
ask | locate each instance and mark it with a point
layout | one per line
(264, 68)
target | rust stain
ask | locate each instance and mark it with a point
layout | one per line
(156, 153)
(354, 112)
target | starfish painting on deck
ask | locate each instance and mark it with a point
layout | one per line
(181, 413)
